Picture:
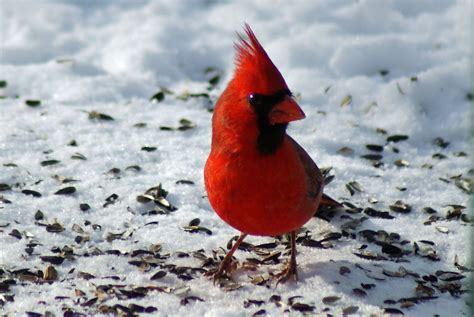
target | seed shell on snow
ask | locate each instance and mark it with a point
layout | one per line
(66, 191)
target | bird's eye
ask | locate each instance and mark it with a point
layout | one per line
(255, 99)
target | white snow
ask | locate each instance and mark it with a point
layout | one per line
(112, 56)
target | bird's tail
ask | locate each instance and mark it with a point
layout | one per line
(327, 201)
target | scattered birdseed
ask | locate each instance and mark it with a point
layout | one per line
(374, 147)
(347, 100)
(66, 191)
(397, 138)
(94, 115)
(33, 102)
(49, 162)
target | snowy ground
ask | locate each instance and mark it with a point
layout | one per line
(364, 71)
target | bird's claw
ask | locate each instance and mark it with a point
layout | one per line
(289, 273)
(223, 272)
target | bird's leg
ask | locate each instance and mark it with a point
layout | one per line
(290, 271)
(225, 267)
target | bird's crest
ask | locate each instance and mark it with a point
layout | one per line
(255, 71)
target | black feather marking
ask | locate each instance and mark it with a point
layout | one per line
(271, 136)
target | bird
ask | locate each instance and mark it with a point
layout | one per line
(258, 179)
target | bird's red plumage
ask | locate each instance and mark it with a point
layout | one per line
(257, 194)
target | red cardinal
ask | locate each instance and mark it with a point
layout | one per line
(258, 179)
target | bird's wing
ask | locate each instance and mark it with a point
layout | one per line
(314, 177)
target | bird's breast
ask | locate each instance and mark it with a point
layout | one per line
(259, 194)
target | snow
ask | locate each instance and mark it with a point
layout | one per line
(112, 56)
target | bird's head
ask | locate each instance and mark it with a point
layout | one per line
(260, 83)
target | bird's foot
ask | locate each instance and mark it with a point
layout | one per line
(290, 272)
(223, 272)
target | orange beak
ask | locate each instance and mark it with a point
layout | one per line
(286, 111)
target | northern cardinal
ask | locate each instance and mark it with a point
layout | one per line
(258, 179)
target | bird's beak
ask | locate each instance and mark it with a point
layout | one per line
(286, 111)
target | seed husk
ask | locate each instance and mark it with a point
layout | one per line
(158, 97)
(397, 138)
(15, 233)
(442, 229)
(374, 147)
(372, 157)
(84, 207)
(301, 307)
(186, 124)
(393, 311)
(400, 207)
(158, 275)
(439, 156)
(94, 115)
(78, 156)
(30, 192)
(189, 299)
(55, 227)
(345, 151)
(401, 163)
(440, 142)
(66, 191)
(39, 215)
(135, 168)
(33, 102)
(149, 148)
(350, 310)
(359, 292)
(49, 162)
(50, 273)
(53, 259)
(344, 270)
(347, 100)
(4, 187)
(329, 300)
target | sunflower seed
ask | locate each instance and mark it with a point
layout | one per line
(185, 124)
(158, 275)
(78, 156)
(50, 273)
(439, 156)
(189, 299)
(329, 300)
(350, 310)
(195, 222)
(33, 102)
(372, 157)
(158, 97)
(149, 148)
(374, 147)
(135, 168)
(344, 270)
(345, 151)
(55, 227)
(84, 207)
(301, 307)
(442, 229)
(401, 163)
(393, 312)
(49, 162)
(440, 142)
(400, 207)
(397, 138)
(94, 115)
(347, 100)
(31, 192)
(66, 191)
(57, 260)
